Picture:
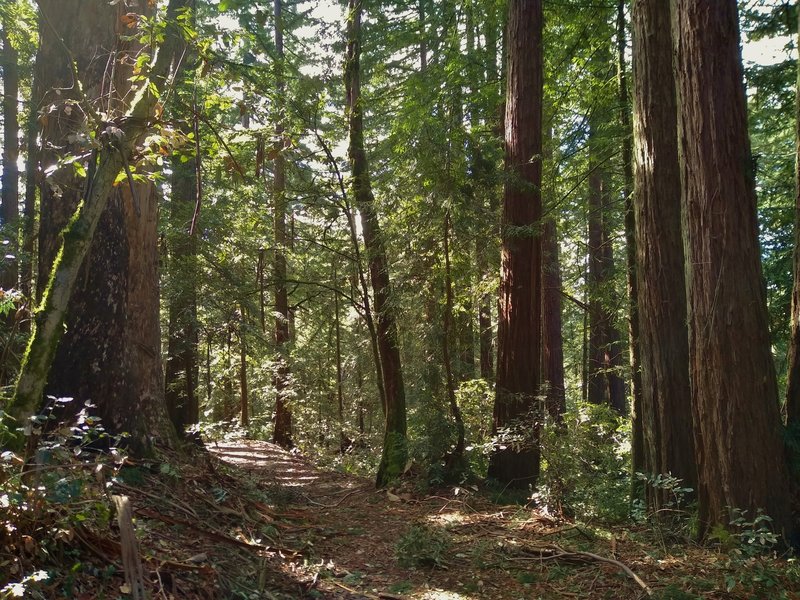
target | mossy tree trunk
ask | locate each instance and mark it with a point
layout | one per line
(102, 272)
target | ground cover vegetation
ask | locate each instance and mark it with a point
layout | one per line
(399, 299)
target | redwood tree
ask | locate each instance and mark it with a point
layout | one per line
(737, 428)
(519, 337)
(552, 332)
(664, 346)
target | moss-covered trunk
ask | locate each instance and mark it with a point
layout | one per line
(103, 277)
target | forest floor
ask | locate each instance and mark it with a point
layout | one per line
(249, 520)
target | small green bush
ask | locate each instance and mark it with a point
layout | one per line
(586, 465)
(422, 546)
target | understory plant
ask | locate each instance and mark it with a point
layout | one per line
(585, 464)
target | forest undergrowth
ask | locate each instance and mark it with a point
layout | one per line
(245, 519)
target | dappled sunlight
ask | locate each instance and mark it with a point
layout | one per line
(444, 595)
(448, 518)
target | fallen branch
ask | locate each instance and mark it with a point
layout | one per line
(352, 591)
(160, 498)
(86, 536)
(211, 534)
(557, 553)
(345, 497)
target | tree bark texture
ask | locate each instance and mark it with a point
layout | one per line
(519, 336)
(737, 428)
(10, 178)
(666, 410)
(110, 353)
(282, 434)
(32, 178)
(393, 458)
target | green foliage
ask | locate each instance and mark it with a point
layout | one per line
(586, 465)
(761, 577)
(404, 587)
(755, 536)
(675, 491)
(64, 489)
(673, 519)
(422, 546)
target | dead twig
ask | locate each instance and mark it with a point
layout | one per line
(214, 535)
(335, 505)
(160, 498)
(557, 553)
(352, 591)
(567, 529)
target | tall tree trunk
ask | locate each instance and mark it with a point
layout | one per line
(742, 460)
(282, 434)
(456, 458)
(552, 340)
(10, 179)
(552, 334)
(793, 375)
(111, 350)
(182, 364)
(519, 337)
(597, 366)
(630, 235)
(244, 395)
(393, 458)
(666, 410)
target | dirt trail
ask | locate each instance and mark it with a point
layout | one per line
(346, 535)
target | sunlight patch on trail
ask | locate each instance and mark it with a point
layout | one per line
(443, 595)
